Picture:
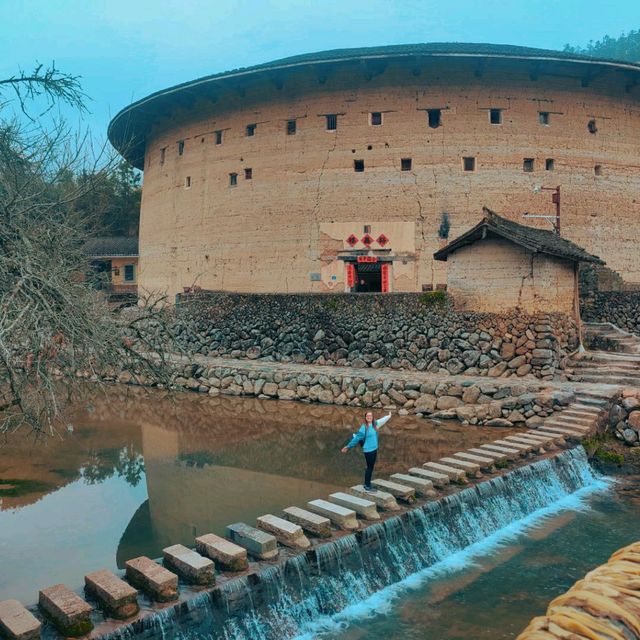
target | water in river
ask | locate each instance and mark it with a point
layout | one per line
(144, 470)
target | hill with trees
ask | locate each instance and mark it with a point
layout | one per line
(624, 47)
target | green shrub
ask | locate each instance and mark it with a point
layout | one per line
(433, 298)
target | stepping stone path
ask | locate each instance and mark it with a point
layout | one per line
(67, 610)
(312, 523)
(382, 499)
(189, 565)
(287, 533)
(340, 516)
(363, 507)
(17, 622)
(159, 583)
(227, 555)
(511, 453)
(259, 544)
(485, 463)
(118, 598)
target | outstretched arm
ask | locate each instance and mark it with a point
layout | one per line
(382, 421)
(357, 436)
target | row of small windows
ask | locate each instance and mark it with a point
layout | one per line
(406, 164)
(434, 120)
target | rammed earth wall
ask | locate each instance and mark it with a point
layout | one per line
(618, 307)
(397, 331)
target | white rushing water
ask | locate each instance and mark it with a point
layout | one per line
(364, 573)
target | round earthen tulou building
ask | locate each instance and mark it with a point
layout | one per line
(347, 170)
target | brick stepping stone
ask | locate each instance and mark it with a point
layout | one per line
(382, 499)
(498, 457)
(313, 523)
(17, 622)
(456, 475)
(472, 469)
(422, 486)
(286, 532)
(340, 516)
(226, 554)
(70, 614)
(159, 583)
(259, 544)
(363, 507)
(439, 480)
(397, 489)
(485, 463)
(509, 452)
(189, 565)
(117, 597)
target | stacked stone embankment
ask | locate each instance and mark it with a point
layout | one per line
(624, 417)
(476, 401)
(400, 331)
(618, 307)
(604, 604)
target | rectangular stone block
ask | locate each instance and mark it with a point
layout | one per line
(567, 433)
(229, 556)
(340, 516)
(472, 469)
(439, 480)
(287, 533)
(536, 444)
(524, 448)
(498, 457)
(382, 499)
(400, 491)
(456, 475)
(509, 452)
(258, 543)
(363, 507)
(556, 437)
(158, 583)
(189, 565)
(312, 523)
(70, 614)
(485, 463)
(118, 598)
(422, 486)
(17, 622)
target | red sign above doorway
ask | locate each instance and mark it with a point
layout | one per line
(367, 259)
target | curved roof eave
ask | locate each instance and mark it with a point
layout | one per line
(505, 52)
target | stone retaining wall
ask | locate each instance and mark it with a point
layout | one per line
(496, 403)
(400, 331)
(617, 307)
(624, 417)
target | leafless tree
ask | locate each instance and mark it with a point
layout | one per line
(54, 326)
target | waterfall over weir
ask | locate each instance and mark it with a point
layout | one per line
(293, 598)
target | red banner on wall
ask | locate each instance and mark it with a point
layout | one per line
(384, 273)
(367, 259)
(351, 274)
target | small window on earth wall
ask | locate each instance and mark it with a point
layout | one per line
(469, 163)
(233, 179)
(358, 166)
(527, 165)
(543, 117)
(248, 174)
(597, 169)
(549, 164)
(332, 122)
(405, 164)
(251, 130)
(180, 147)
(291, 127)
(376, 118)
(219, 136)
(187, 182)
(129, 273)
(162, 154)
(495, 116)
(434, 117)
(591, 126)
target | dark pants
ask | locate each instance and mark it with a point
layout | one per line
(370, 457)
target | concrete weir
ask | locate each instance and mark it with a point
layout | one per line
(282, 596)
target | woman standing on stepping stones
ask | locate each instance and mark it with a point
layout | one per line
(367, 438)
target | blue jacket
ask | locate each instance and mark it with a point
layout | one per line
(370, 435)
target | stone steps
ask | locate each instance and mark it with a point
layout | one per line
(118, 598)
(342, 517)
(471, 469)
(455, 475)
(485, 463)
(226, 554)
(17, 622)
(383, 499)
(285, 532)
(363, 507)
(396, 489)
(189, 565)
(439, 480)
(422, 486)
(311, 522)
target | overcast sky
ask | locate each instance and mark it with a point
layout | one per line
(126, 49)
